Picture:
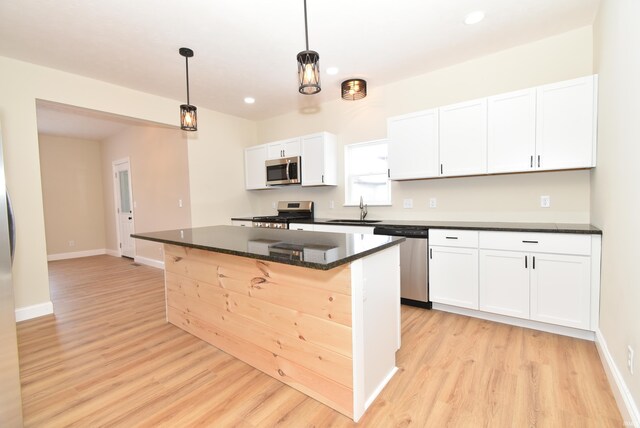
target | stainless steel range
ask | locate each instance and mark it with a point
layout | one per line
(288, 211)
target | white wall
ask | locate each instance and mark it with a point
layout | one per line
(497, 198)
(215, 156)
(159, 178)
(615, 204)
(72, 194)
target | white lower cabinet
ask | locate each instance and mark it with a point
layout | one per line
(560, 289)
(504, 283)
(453, 267)
(453, 276)
(550, 278)
(301, 226)
(551, 282)
(366, 230)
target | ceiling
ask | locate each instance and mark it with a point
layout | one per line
(75, 122)
(249, 47)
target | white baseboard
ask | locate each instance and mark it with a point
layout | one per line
(628, 408)
(76, 254)
(34, 311)
(535, 325)
(149, 262)
(113, 253)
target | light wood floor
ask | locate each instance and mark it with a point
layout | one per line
(108, 358)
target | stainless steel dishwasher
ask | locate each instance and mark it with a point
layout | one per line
(414, 268)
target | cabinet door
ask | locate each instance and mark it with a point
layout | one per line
(453, 276)
(560, 289)
(291, 147)
(565, 130)
(366, 230)
(463, 138)
(319, 160)
(504, 283)
(413, 145)
(284, 148)
(301, 226)
(255, 172)
(511, 132)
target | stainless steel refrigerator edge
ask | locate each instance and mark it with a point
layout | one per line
(10, 395)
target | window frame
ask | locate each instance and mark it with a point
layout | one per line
(347, 153)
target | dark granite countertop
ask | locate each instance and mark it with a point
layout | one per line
(580, 228)
(315, 250)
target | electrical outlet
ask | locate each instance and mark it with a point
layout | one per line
(332, 205)
(273, 205)
(545, 201)
(407, 203)
(179, 203)
(433, 203)
(630, 358)
(72, 243)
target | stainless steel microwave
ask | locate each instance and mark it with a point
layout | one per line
(283, 171)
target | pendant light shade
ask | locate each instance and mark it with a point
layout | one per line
(309, 72)
(308, 65)
(354, 89)
(188, 113)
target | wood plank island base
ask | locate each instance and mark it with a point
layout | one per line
(317, 311)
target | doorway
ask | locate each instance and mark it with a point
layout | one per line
(124, 207)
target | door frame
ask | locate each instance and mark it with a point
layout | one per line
(116, 201)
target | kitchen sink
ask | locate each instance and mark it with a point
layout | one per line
(353, 221)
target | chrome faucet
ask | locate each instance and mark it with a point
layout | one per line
(363, 210)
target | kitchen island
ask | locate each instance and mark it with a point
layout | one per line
(317, 311)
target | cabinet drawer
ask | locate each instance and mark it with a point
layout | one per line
(453, 238)
(558, 243)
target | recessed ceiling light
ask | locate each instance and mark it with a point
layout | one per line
(249, 100)
(332, 70)
(474, 17)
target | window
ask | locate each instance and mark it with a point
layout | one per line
(365, 171)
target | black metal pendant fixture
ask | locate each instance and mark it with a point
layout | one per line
(188, 113)
(308, 65)
(354, 89)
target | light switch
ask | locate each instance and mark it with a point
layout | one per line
(433, 203)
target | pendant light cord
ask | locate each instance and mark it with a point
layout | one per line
(187, 62)
(306, 31)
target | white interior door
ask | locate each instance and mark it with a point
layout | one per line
(124, 208)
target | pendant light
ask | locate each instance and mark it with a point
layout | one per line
(188, 113)
(354, 89)
(308, 65)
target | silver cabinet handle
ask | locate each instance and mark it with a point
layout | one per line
(531, 165)
(538, 161)
(525, 262)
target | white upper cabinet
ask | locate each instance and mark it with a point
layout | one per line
(566, 124)
(284, 148)
(319, 160)
(511, 144)
(463, 138)
(255, 172)
(413, 145)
